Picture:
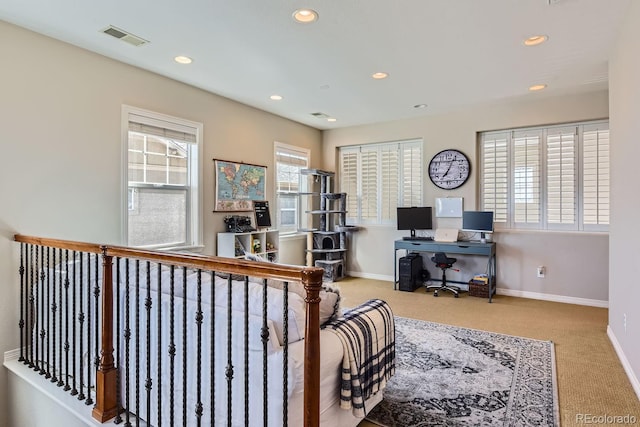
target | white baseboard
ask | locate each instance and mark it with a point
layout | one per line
(635, 383)
(507, 292)
(554, 298)
(362, 275)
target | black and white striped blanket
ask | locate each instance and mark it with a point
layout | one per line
(367, 334)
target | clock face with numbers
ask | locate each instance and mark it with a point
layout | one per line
(449, 169)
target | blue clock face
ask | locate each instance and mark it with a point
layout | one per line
(449, 169)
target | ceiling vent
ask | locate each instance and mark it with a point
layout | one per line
(124, 36)
(320, 115)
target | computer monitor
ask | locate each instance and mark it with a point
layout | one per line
(414, 218)
(478, 221)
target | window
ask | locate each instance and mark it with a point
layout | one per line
(553, 178)
(380, 177)
(163, 180)
(290, 161)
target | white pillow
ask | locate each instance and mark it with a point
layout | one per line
(329, 296)
(296, 305)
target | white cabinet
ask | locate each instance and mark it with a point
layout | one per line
(263, 243)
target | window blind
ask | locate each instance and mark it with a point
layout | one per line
(561, 177)
(595, 179)
(554, 177)
(380, 177)
(495, 175)
(526, 177)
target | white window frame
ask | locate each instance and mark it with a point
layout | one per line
(408, 176)
(575, 188)
(279, 147)
(195, 234)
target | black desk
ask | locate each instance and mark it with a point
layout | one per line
(465, 248)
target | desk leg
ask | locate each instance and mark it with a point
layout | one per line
(395, 266)
(492, 276)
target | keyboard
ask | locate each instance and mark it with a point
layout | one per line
(417, 238)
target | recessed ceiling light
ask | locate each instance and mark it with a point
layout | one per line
(275, 97)
(183, 59)
(418, 106)
(331, 119)
(535, 40)
(380, 75)
(305, 16)
(537, 87)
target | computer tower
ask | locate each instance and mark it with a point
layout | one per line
(410, 269)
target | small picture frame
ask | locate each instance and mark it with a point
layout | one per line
(261, 210)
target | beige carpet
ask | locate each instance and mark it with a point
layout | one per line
(591, 380)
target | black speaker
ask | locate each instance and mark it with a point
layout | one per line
(410, 269)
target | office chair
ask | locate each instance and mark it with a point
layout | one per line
(443, 262)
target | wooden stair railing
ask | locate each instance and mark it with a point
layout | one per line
(311, 277)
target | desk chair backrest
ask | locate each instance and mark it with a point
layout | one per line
(442, 260)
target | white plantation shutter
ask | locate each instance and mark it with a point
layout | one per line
(411, 182)
(349, 180)
(380, 177)
(561, 178)
(369, 185)
(388, 182)
(495, 175)
(595, 182)
(526, 178)
(554, 178)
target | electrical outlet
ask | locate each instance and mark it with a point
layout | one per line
(540, 271)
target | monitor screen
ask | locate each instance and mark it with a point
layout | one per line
(414, 218)
(481, 221)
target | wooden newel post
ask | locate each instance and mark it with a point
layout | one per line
(312, 280)
(107, 374)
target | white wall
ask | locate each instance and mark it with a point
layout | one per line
(576, 263)
(624, 255)
(60, 161)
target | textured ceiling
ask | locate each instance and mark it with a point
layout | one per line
(447, 54)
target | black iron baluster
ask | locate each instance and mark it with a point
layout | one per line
(246, 350)
(67, 387)
(229, 369)
(147, 306)
(264, 334)
(199, 317)
(41, 304)
(34, 310)
(137, 335)
(159, 315)
(30, 309)
(45, 307)
(96, 299)
(172, 348)
(213, 348)
(127, 339)
(60, 318)
(81, 395)
(74, 391)
(118, 418)
(23, 301)
(285, 353)
(54, 315)
(184, 346)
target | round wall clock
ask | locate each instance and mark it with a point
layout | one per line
(449, 169)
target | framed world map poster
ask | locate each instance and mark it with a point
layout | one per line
(238, 185)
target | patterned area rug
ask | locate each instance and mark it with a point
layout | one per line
(450, 376)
